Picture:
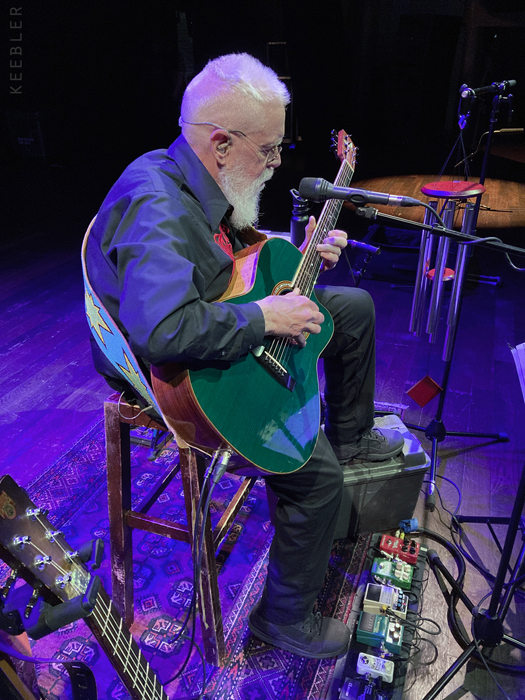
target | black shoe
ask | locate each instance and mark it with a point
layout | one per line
(376, 445)
(316, 637)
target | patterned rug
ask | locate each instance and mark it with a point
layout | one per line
(74, 491)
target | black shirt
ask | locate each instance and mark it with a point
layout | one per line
(159, 253)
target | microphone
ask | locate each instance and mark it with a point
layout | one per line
(465, 91)
(319, 190)
(359, 245)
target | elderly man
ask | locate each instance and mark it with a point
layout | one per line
(162, 250)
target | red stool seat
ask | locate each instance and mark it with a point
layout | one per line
(448, 274)
(453, 189)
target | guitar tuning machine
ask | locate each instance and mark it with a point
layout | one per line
(31, 604)
(8, 584)
(21, 540)
(51, 535)
(33, 513)
(62, 581)
(42, 560)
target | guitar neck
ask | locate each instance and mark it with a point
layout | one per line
(310, 266)
(114, 637)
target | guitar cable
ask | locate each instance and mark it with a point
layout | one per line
(215, 470)
(83, 685)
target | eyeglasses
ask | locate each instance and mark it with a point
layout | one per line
(269, 154)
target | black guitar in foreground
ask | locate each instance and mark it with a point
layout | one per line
(39, 554)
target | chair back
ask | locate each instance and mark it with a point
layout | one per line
(110, 339)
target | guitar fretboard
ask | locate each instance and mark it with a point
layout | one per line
(310, 266)
(108, 627)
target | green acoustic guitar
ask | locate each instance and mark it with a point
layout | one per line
(266, 405)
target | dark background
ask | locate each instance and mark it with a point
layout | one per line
(102, 83)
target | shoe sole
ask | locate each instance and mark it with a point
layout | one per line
(294, 650)
(366, 460)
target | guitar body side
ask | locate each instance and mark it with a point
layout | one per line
(244, 405)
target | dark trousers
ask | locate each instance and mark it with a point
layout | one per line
(309, 499)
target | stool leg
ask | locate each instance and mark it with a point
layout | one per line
(209, 598)
(119, 501)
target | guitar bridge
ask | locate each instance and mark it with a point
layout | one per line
(274, 367)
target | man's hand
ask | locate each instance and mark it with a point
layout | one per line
(330, 249)
(291, 315)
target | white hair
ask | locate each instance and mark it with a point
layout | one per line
(235, 84)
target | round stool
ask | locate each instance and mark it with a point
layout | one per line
(456, 190)
(453, 189)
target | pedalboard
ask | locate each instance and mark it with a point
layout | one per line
(400, 548)
(375, 667)
(380, 632)
(380, 599)
(393, 573)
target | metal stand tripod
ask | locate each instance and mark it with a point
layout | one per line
(436, 431)
(487, 624)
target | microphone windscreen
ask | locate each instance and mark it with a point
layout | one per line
(307, 188)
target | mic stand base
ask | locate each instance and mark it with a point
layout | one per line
(487, 625)
(436, 433)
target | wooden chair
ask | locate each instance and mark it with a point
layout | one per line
(119, 418)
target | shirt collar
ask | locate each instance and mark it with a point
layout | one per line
(200, 182)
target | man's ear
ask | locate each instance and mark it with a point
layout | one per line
(220, 141)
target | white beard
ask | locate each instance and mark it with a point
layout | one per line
(243, 195)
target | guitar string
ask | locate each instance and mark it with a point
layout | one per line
(309, 270)
(305, 276)
(281, 348)
(147, 675)
(147, 672)
(310, 265)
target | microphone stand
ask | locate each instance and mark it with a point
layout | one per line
(496, 104)
(487, 626)
(436, 431)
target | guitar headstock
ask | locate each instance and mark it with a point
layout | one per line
(36, 550)
(344, 147)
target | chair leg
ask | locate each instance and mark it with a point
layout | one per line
(209, 598)
(119, 500)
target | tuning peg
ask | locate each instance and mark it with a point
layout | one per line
(33, 513)
(51, 535)
(21, 540)
(8, 584)
(32, 602)
(62, 581)
(41, 560)
(333, 141)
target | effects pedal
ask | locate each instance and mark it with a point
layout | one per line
(380, 632)
(360, 689)
(404, 549)
(379, 599)
(394, 573)
(376, 667)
